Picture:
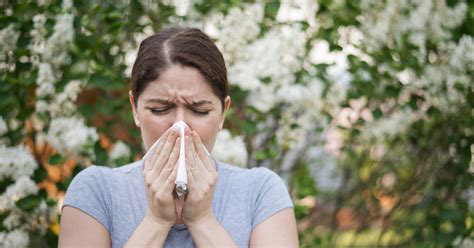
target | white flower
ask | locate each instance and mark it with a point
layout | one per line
(41, 106)
(338, 69)
(262, 74)
(263, 98)
(181, 6)
(12, 221)
(3, 126)
(390, 126)
(42, 217)
(119, 150)
(16, 162)
(230, 149)
(406, 76)
(236, 29)
(38, 40)
(8, 39)
(70, 134)
(340, 75)
(57, 44)
(63, 103)
(314, 100)
(6, 203)
(67, 5)
(462, 57)
(292, 93)
(14, 239)
(386, 24)
(72, 89)
(460, 242)
(22, 187)
(45, 80)
(289, 136)
(14, 123)
(320, 53)
(298, 10)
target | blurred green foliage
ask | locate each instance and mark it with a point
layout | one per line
(431, 160)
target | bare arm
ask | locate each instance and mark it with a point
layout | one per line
(277, 231)
(210, 233)
(78, 229)
(149, 234)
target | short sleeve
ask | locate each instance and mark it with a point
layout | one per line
(87, 192)
(270, 195)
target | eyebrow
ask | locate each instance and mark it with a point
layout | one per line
(167, 101)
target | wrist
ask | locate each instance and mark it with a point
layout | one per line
(150, 233)
(202, 222)
(153, 222)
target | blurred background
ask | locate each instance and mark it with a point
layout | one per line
(364, 108)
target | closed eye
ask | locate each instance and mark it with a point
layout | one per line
(162, 111)
(159, 111)
(198, 112)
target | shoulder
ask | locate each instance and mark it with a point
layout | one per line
(136, 166)
(100, 178)
(105, 172)
(91, 174)
(256, 176)
(229, 168)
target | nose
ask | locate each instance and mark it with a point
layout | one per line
(180, 115)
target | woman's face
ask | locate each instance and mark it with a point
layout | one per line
(181, 93)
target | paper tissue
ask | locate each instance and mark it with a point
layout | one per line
(181, 179)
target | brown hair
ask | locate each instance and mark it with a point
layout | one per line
(183, 46)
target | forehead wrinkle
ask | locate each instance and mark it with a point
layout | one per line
(175, 93)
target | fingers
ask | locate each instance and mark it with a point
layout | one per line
(199, 148)
(149, 164)
(163, 186)
(170, 180)
(200, 168)
(164, 153)
(169, 172)
(192, 163)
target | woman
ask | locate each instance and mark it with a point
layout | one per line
(179, 75)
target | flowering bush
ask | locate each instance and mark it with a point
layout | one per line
(364, 108)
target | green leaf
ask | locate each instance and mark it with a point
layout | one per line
(28, 203)
(40, 174)
(56, 159)
(271, 9)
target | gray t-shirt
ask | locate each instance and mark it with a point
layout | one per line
(116, 198)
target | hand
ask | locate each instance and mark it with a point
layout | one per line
(160, 174)
(202, 178)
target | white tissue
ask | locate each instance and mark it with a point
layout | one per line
(181, 179)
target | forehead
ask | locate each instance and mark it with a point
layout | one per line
(180, 81)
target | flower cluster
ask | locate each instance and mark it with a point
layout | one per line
(119, 151)
(70, 135)
(235, 30)
(16, 162)
(54, 120)
(18, 165)
(422, 20)
(230, 149)
(8, 39)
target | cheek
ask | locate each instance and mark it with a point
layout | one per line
(152, 129)
(207, 131)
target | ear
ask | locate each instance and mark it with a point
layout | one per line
(227, 102)
(134, 109)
